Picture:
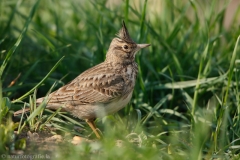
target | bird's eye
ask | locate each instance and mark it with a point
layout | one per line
(125, 47)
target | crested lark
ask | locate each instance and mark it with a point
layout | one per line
(103, 89)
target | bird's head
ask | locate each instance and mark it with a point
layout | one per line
(123, 49)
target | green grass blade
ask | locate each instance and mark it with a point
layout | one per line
(1, 107)
(30, 70)
(198, 79)
(189, 83)
(231, 71)
(15, 46)
(32, 90)
(51, 116)
(39, 109)
(20, 126)
(155, 108)
(126, 11)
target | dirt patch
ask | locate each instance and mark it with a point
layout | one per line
(40, 145)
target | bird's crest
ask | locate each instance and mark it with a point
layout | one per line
(124, 35)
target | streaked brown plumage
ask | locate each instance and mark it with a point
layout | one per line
(104, 88)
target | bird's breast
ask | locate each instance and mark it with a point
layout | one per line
(130, 75)
(112, 107)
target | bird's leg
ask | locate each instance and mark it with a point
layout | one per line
(91, 123)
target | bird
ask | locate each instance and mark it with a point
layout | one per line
(103, 89)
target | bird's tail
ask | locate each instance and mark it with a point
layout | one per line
(22, 111)
(26, 110)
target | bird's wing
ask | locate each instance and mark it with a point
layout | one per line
(97, 84)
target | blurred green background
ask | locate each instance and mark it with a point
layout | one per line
(186, 101)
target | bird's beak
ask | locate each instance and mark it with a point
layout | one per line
(140, 46)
